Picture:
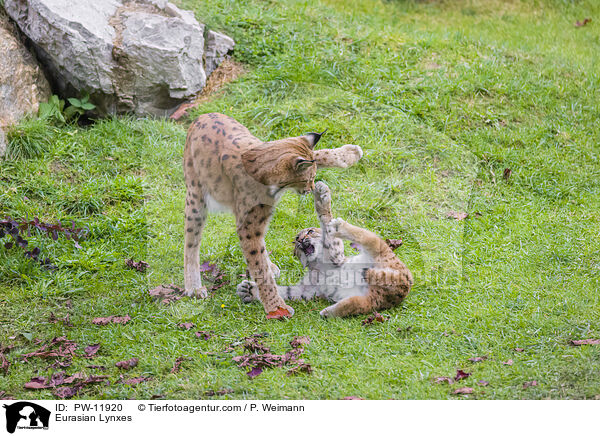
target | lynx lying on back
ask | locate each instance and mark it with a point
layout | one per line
(374, 280)
(228, 168)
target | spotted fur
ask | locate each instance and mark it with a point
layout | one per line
(226, 168)
(373, 280)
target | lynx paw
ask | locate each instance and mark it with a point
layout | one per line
(335, 227)
(246, 291)
(353, 153)
(322, 200)
(200, 292)
(328, 312)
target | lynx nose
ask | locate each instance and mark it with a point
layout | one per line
(309, 187)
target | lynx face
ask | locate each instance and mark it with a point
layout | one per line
(308, 246)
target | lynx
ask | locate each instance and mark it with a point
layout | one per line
(226, 168)
(373, 280)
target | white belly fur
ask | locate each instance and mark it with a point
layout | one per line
(215, 207)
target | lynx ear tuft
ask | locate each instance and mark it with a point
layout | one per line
(301, 164)
(313, 138)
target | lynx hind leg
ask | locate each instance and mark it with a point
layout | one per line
(342, 157)
(247, 291)
(357, 305)
(195, 217)
(399, 279)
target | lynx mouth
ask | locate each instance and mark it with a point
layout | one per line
(308, 249)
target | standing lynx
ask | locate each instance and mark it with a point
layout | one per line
(226, 168)
(374, 280)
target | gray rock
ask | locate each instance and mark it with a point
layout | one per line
(217, 47)
(2, 143)
(22, 82)
(143, 56)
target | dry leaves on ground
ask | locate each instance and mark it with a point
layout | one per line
(140, 266)
(166, 294)
(111, 320)
(127, 364)
(585, 342)
(375, 317)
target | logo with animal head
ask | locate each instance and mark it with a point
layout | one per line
(26, 415)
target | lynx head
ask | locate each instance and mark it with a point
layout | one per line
(284, 164)
(307, 245)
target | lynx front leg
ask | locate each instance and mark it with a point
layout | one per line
(251, 228)
(372, 243)
(342, 157)
(248, 292)
(195, 217)
(333, 248)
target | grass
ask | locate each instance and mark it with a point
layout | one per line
(443, 97)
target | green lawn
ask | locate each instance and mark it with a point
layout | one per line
(443, 96)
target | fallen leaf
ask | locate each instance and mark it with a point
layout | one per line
(478, 359)
(519, 350)
(302, 367)
(4, 363)
(204, 335)
(586, 342)
(459, 216)
(508, 362)
(582, 23)
(507, 173)
(166, 294)
(36, 383)
(177, 365)
(112, 319)
(463, 391)
(185, 325)
(134, 380)
(448, 380)
(483, 382)
(140, 266)
(91, 350)
(255, 372)
(59, 348)
(528, 384)
(3, 396)
(127, 364)
(214, 277)
(352, 397)
(64, 392)
(394, 243)
(376, 316)
(460, 374)
(298, 341)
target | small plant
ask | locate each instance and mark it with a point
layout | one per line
(54, 110)
(78, 107)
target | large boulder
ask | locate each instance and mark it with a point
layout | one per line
(142, 56)
(22, 82)
(216, 48)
